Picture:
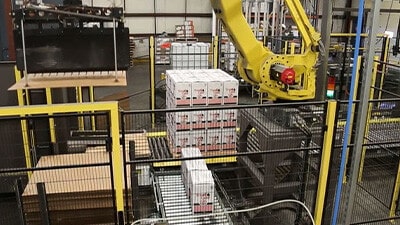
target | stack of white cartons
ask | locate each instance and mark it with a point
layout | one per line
(186, 30)
(163, 50)
(187, 166)
(190, 55)
(230, 55)
(208, 130)
(198, 181)
(201, 191)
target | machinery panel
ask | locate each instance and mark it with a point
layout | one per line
(70, 38)
(73, 49)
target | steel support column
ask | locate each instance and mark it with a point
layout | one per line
(373, 21)
(326, 40)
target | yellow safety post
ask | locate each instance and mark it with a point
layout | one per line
(215, 52)
(117, 159)
(286, 47)
(24, 125)
(49, 100)
(371, 96)
(81, 122)
(91, 98)
(152, 81)
(325, 161)
(395, 196)
(292, 48)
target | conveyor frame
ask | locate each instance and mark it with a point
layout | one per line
(173, 201)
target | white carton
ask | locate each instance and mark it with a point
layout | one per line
(201, 191)
(204, 64)
(214, 118)
(213, 139)
(214, 92)
(185, 64)
(190, 152)
(189, 166)
(180, 139)
(199, 119)
(197, 50)
(199, 92)
(188, 23)
(177, 64)
(182, 92)
(230, 90)
(228, 136)
(198, 139)
(192, 52)
(229, 118)
(185, 52)
(143, 173)
(176, 51)
(178, 90)
(182, 120)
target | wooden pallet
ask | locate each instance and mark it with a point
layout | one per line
(142, 149)
(71, 79)
(75, 195)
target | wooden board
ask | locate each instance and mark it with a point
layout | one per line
(84, 179)
(72, 190)
(69, 80)
(142, 149)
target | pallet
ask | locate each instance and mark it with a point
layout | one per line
(71, 79)
(75, 195)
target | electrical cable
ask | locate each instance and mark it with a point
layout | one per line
(153, 220)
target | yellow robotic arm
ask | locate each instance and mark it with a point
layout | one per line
(280, 76)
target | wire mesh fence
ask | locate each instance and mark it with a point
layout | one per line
(183, 53)
(249, 158)
(60, 179)
(254, 156)
(375, 200)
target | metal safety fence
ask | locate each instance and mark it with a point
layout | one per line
(256, 155)
(376, 195)
(59, 173)
(259, 164)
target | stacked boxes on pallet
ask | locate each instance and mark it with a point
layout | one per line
(163, 50)
(208, 130)
(229, 55)
(185, 30)
(198, 181)
(190, 55)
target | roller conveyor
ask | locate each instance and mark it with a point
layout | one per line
(176, 204)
